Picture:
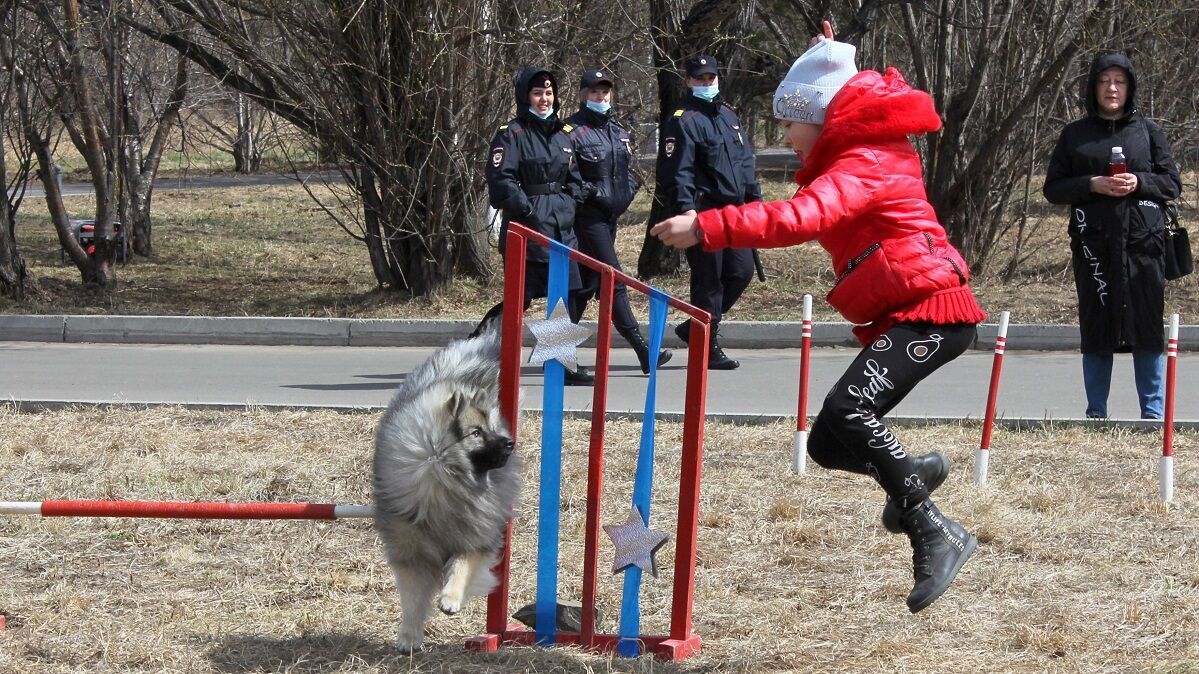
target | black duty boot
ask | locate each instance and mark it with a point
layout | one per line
(940, 547)
(932, 469)
(635, 340)
(683, 331)
(581, 377)
(716, 358)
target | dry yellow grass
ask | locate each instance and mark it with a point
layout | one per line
(1079, 568)
(271, 251)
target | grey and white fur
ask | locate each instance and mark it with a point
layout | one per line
(446, 481)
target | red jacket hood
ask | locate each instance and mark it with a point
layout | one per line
(870, 108)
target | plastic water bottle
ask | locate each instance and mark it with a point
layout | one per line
(1117, 163)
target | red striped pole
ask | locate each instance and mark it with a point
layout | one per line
(799, 462)
(1165, 467)
(186, 510)
(982, 456)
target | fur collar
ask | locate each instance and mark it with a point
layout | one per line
(870, 108)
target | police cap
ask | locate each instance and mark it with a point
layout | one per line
(702, 64)
(593, 77)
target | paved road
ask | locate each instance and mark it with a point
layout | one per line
(1035, 385)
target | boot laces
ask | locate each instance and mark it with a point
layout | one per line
(922, 557)
(717, 351)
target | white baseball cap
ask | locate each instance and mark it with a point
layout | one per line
(815, 77)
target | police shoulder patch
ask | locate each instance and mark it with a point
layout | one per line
(669, 146)
(497, 156)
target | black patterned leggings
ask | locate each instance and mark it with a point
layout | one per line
(849, 433)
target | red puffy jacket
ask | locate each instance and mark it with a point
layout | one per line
(862, 198)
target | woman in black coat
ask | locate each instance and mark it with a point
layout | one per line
(533, 179)
(1117, 231)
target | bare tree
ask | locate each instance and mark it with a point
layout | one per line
(149, 104)
(14, 276)
(80, 55)
(234, 123)
(387, 91)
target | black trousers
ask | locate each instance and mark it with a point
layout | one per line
(597, 238)
(718, 279)
(849, 433)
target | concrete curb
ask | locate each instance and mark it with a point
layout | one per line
(1010, 423)
(206, 330)
(267, 331)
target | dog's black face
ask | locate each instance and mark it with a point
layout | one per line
(494, 450)
(478, 436)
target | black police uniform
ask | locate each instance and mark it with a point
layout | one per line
(605, 156)
(705, 161)
(532, 178)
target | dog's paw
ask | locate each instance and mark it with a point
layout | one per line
(450, 604)
(407, 644)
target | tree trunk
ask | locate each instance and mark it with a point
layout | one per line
(247, 158)
(666, 18)
(140, 165)
(13, 273)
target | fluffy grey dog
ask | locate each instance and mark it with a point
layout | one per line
(446, 481)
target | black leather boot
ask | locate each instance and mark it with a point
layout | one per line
(637, 341)
(580, 377)
(932, 469)
(683, 331)
(940, 547)
(717, 360)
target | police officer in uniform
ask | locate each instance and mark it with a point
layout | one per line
(532, 178)
(705, 161)
(604, 156)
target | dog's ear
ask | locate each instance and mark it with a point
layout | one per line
(456, 404)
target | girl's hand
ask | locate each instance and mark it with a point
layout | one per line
(679, 231)
(827, 34)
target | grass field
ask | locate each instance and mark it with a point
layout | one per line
(272, 251)
(1079, 569)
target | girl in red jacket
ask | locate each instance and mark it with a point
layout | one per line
(862, 198)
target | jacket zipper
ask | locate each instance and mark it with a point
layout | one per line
(856, 261)
(961, 277)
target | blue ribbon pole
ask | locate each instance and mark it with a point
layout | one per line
(549, 504)
(630, 604)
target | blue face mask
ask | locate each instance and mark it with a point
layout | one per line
(601, 108)
(539, 115)
(707, 93)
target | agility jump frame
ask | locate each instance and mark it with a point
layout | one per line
(681, 642)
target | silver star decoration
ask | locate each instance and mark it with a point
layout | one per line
(635, 543)
(557, 338)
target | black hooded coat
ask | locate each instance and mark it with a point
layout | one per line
(1118, 243)
(532, 175)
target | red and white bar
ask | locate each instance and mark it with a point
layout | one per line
(1165, 467)
(982, 456)
(186, 510)
(799, 462)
